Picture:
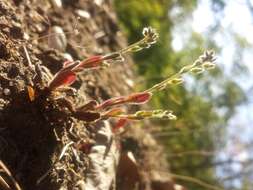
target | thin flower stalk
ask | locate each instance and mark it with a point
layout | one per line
(204, 62)
(140, 115)
(67, 75)
(93, 111)
(150, 37)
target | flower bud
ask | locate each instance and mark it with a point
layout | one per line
(208, 65)
(169, 116)
(185, 69)
(145, 31)
(197, 70)
(197, 62)
(135, 49)
(144, 45)
(177, 81)
(144, 113)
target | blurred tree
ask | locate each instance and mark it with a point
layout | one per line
(197, 102)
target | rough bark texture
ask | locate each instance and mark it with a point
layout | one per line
(38, 140)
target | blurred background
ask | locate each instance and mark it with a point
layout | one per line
(212, 138)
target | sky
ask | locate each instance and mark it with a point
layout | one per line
(236, 19)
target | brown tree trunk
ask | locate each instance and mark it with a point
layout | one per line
(39, 142)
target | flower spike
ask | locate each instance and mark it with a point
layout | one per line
(204, 62)
(143, 114)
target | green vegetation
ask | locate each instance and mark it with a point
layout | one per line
(198, 123)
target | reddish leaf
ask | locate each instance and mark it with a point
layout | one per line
(139, 98)
(94, 61)
(111, 102)
(63, 77)
(135, 98)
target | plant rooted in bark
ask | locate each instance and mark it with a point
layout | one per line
(112, 108)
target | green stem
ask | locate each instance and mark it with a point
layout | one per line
(161, 84)
(125, 50)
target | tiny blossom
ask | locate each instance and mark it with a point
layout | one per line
(208, 56)
(150, 37)
(150, 34)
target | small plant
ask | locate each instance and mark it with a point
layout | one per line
(113, 108)
(67, 75)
